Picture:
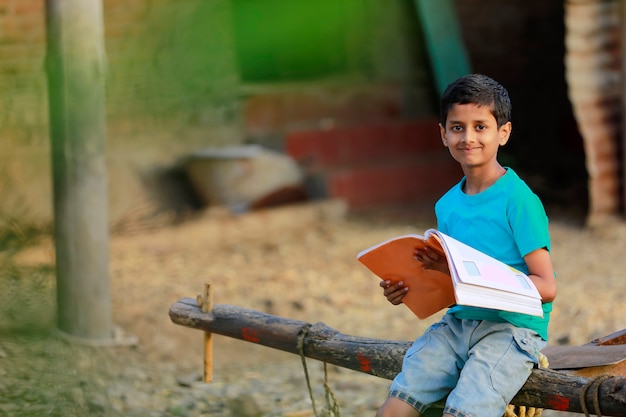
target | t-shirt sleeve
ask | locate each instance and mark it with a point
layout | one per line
(529, 223)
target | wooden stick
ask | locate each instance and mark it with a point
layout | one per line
(205, 302)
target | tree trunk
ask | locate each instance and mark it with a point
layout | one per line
(75, 65)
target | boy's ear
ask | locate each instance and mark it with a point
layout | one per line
(505, 133)
(442, 132)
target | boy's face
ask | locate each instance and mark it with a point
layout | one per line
(472, 136)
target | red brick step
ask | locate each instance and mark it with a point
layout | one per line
(358, 144)
(372, 165)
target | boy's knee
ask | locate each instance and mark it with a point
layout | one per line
(394, 407)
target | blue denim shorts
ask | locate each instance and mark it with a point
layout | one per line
(476, 366)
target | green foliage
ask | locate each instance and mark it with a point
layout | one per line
(16, 234)
(27, 296)
(181, 61)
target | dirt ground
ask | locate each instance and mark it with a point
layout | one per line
(294, 261)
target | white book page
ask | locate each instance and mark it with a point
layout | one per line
(501, 300)
(477, 268)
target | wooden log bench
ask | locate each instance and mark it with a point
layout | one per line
(584, 379)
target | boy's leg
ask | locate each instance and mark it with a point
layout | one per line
(395, 407)
(429, 371)
(499, 363)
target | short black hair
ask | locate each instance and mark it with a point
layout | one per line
(477, 89)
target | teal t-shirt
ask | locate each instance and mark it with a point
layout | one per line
(506, 221)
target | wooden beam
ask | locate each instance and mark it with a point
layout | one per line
(547, 389)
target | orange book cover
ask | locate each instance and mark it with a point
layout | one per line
(429, 291)
(475, 279)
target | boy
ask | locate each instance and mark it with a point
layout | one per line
(477, 359)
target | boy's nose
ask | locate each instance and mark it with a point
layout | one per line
(468, 137)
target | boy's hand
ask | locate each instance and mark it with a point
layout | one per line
(394, 293)
(432, 259)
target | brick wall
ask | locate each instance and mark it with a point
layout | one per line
(22, 50)
(171, 88)
(23, 107)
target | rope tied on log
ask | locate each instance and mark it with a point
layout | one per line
(594, 386)
(332, 406)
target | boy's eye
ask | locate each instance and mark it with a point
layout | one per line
(457, 128)
(481, 127)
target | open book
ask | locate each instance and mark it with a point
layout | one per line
(476, 279)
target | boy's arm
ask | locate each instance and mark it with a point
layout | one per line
(541, 272)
